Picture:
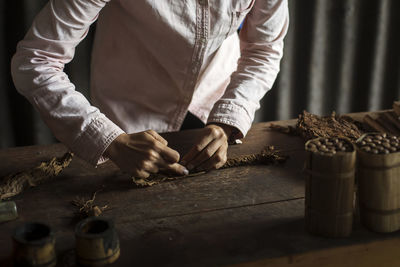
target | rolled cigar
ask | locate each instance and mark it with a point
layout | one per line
(374, 124)
(396, 107)
(388, 125)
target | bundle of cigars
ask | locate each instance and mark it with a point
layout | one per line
(332, 166)
(336, 166)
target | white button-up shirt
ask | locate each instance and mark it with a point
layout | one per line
(152, 62)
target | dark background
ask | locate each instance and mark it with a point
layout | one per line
(340, 55)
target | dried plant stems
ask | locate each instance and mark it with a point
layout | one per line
(15, 183)
(87, 208)
(268, 156)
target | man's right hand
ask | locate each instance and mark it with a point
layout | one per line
(141, 154)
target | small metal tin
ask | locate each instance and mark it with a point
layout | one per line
(34, 245)
(97, 242)
(8, 211)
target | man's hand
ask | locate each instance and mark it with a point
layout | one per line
(210, 150)
(141, 154)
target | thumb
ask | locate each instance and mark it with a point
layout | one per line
(177, 168)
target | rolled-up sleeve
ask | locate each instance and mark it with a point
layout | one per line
(261, 46)
(37, 70)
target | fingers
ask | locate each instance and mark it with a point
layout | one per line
(152, 161)
(211, 133)
(139, 168)
(205, 154)
(145, 168)
(149, 166)
(144, 153)
(152, 142)
(216, 161)
(214, 140)
(169, 155)
(139, 173)
(156, 155)
(175, 168)
(158, 137)
(160, 145)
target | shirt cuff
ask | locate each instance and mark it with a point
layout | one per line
(92, 143)
(231, 114)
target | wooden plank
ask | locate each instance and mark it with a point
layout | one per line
(18, 159)
(221, 189)
(372, 254)
(260, 233)
(222, 217)
(227, 188)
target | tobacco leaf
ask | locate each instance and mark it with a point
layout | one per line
(16, 183)
(268, 156)
(87, 208)
(310, 126)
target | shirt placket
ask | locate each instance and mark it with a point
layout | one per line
(200, 45)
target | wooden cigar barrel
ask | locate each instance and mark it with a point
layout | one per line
(378, 176)
(329, 190)
(34, 245)
(97, 242)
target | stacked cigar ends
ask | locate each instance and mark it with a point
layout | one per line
(379, 172)
(332, 164)
(330, 171)
(378, 177)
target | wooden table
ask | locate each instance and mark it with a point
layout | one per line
(250, 216)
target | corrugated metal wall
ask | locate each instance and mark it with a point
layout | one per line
(340, 55)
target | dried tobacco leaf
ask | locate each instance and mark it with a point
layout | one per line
(310, 126)
(268, 156)
(14, 184)
(87, 208)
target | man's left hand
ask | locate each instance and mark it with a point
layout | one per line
(210, 150)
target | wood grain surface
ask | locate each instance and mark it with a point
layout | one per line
(223, 217)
